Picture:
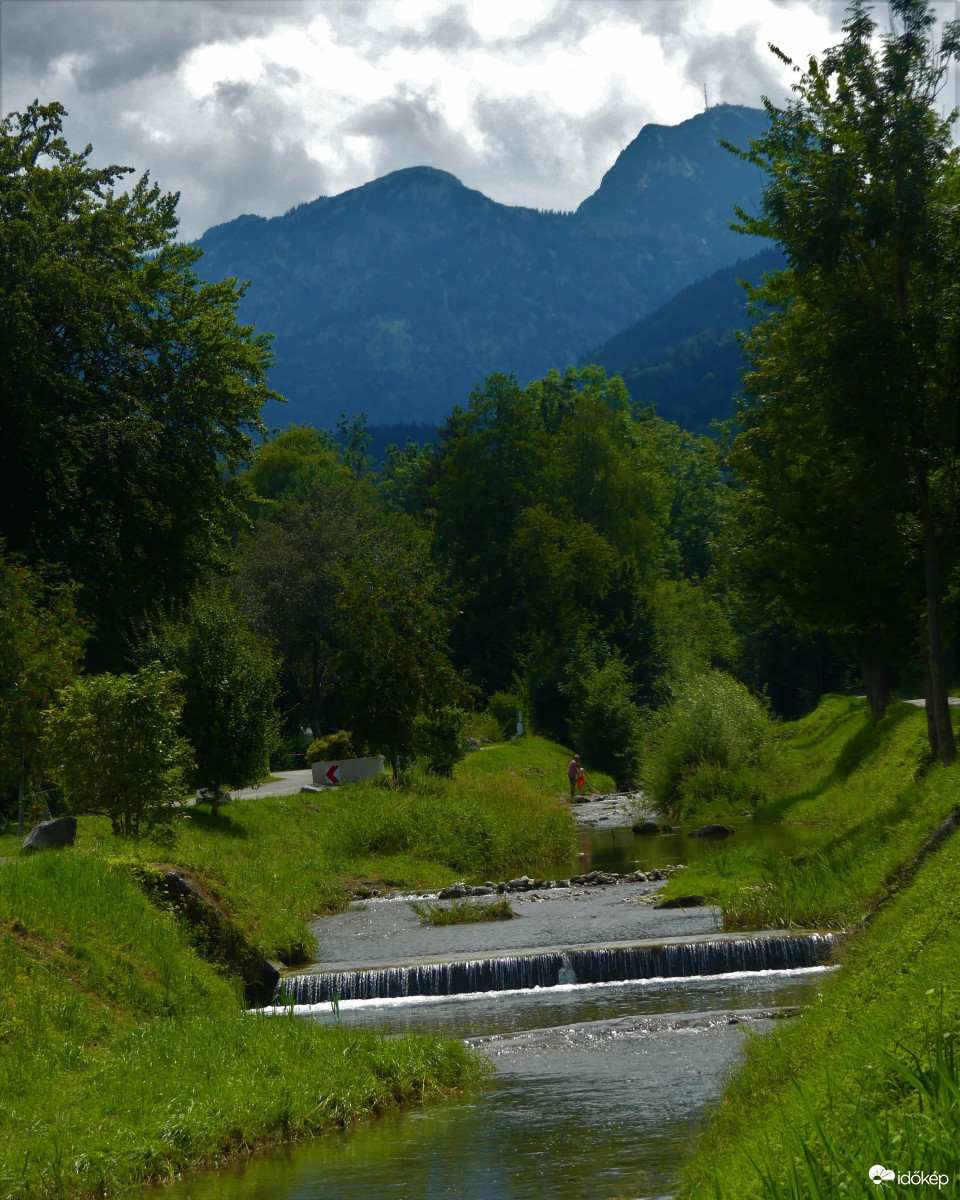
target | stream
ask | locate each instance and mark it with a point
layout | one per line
(604, 1072)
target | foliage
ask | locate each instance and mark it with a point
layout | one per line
(605, 724)
(710, 720)
(463, 912)
(117, 748)
(229, 684)
(438, 739)
(131, 392)
(333, 746)
(851, 389)
(41, 647)
(503, 707)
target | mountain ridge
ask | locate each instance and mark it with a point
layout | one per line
(398, 296)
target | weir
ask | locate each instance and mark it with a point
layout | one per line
(583, 964)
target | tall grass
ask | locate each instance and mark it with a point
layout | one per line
(123, 1057)
(867, 1075)
(869, 797)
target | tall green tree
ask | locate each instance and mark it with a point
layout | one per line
(41, 649)
(229, 681)
(131, 392)
(861, 196)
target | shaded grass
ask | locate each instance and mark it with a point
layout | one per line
(462, 912)
(869, 1074)
(870, 797)
(124, 1057)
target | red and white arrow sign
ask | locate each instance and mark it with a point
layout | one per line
(333, 773)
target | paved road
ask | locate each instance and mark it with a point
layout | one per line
(286, 783)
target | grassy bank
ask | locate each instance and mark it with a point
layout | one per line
(867, 1075)
(124, 1057)
(274, 862)
(869, 795)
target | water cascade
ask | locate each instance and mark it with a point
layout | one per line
(549, 969)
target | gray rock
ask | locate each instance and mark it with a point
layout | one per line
(472, 744)
(311, 787)
(60, 832)
(454, 892)
(713, 831)
(646, 828)
(481, 891)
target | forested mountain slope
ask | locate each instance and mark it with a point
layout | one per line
(395, 298)
(684, 357)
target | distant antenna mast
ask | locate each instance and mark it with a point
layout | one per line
(705, 103)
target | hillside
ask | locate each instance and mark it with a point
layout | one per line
(683, 358)
(395, 298)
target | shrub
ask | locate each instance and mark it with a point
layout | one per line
(330, 748)
(503, 707)
(438, 739)
(119, 754)
(712, 720)
(606, 724)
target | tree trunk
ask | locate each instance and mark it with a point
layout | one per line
(928, 700)
(215, 802)
(946, 746)
(876, 682)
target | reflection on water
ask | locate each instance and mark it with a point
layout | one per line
(599, 1097)
(623, 850)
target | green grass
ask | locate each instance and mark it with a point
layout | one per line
(274, 862)
(868, 1074)
(869, 796)
(124, 1057)
(463, 912)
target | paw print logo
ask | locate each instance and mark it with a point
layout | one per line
(881, 1176)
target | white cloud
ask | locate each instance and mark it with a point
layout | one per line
(255, 106)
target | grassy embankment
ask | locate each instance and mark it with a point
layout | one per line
(124, 1056)
(868, 1074)
(869, 797)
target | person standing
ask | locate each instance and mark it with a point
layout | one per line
(574, 774)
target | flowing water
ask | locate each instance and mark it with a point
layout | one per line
(607, 1057)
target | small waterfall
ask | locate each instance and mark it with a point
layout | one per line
(602, 965)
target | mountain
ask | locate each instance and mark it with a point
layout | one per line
(395, 298)
(684, 357)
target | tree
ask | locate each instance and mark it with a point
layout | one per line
(41, 648)
(861, 197)
(130, 390)
(229, 682)
(117, 749)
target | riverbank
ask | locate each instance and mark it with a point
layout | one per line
(156, 1069)
(867, 797)
(869, 1074)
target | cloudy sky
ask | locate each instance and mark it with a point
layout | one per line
(257, 105)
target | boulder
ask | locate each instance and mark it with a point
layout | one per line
(472, 744)
(646, 828)
(454, 892)
(482, 890)
(60, 832)
(713, 831)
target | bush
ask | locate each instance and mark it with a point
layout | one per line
(115, 738)
(606, 724)
(503, 707)
(711, 721)
(438, 739)
(330, 748)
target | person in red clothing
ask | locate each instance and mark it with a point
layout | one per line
(574, 774)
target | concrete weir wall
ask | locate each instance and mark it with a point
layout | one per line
(346, 770)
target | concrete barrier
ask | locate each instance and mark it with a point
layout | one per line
(346, 770)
